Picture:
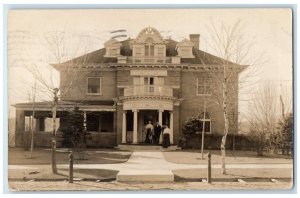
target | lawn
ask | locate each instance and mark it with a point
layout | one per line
(63, 174)
(42, 156)
(238, 156)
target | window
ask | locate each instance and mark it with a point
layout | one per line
(138, 51)
(94, 86)
(41, 124)
(206, 122)
(185, 53)
(203, 86)
(149, 47)
(100, 122)
(113, 52)
(149, 84)
(149, 50)
(160, 52)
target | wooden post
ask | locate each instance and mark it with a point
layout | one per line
(209, 168)
(71, 167)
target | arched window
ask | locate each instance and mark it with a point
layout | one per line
(149, 47)
(206, 121)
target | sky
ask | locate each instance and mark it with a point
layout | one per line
(87, 30)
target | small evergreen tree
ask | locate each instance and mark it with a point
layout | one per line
(76, 132)
(191, 126)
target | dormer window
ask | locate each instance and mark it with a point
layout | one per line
(185, 49)
(112, 48)
(148, 47)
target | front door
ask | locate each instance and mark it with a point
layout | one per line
(146, 116)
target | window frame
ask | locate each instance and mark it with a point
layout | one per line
(197, 89)
(206, 120)
(87, 86)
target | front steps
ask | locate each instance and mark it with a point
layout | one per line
(145, 147)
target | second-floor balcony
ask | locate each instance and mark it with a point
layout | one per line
(148, 90)
(149, 59)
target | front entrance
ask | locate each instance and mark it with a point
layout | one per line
(143, 117)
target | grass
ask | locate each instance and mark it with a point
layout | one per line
(239, 156)
(63, 174)
(43, 156)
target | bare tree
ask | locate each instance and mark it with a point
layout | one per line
(56, 45)
(263, 117)
(233, 49)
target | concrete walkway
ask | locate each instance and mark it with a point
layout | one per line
(150, 166)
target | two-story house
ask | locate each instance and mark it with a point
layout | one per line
(126, 84)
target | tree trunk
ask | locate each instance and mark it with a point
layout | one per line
(55, 99)
(223, 144)
(203, 130)
(226, 126)
(33, 114)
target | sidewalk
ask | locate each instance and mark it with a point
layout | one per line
(152, 166)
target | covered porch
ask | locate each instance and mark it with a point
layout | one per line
(100, 121)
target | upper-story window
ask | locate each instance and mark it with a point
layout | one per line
(149, 47)
(93, 85)
(160, 52)
(138, 51)
(149, 84)
(203, 86)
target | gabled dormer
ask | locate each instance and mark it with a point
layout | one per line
(185, 49)
(149, 43)
(112, 48)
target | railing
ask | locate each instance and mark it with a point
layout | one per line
(149, 59)
(148, 90)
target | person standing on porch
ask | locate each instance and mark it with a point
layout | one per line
(166, 137)
(149, 130)
(157, 131)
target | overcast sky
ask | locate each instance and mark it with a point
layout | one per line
(271, 30)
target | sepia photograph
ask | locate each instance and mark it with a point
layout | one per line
(150, 100)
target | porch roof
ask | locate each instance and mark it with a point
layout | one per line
(66, 106)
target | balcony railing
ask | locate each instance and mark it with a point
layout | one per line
(149, 59)
(148, 90)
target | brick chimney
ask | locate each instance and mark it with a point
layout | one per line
(195, 39)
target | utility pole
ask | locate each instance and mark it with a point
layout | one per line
(55, 100)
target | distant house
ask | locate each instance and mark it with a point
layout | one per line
(128, 83)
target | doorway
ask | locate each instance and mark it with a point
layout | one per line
(144, 117)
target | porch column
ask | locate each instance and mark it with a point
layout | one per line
(160, 116)
(124, 127)
(160, 122)
(171, 127)
(135, 114)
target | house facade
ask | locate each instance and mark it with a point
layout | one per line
(123, 86)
